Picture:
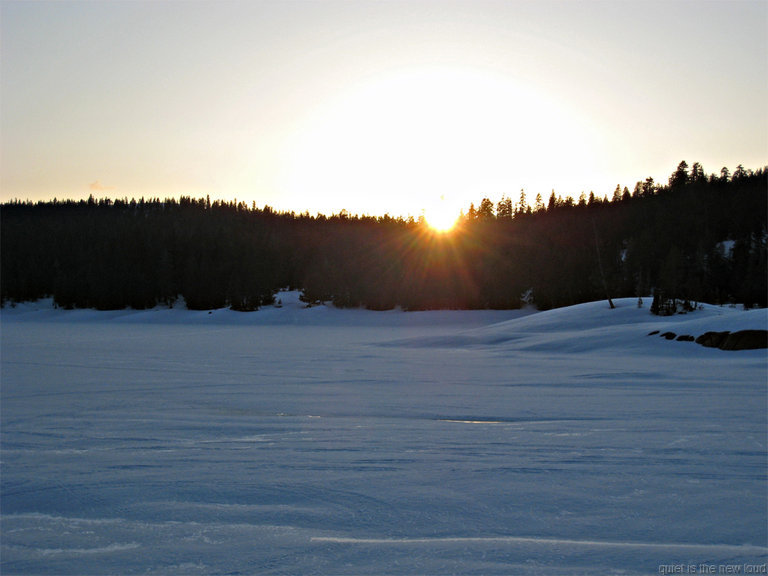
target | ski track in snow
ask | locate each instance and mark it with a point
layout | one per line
(324, 441)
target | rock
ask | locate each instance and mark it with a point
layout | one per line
(712, 339)
(745, 340)
(741, 340)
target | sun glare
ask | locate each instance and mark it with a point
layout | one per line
(440, 215)
(391, 144)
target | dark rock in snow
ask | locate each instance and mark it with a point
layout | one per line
(745, 340)
(669, 335)
(653, 332)
(685, 338)
(741, 340)
(712, 339)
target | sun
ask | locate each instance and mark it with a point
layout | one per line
(441, 215)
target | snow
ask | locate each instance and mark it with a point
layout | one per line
(300, 440)
(726, 247)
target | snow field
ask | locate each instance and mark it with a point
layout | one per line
(301, 441)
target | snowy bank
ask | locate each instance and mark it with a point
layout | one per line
(595, 326)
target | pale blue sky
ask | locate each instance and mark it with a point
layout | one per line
(378, 106)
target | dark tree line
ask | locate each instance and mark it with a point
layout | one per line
(698, 238)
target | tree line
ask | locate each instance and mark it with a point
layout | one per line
(698, 238)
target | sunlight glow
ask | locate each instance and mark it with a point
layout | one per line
(441, 216)
(394, 143)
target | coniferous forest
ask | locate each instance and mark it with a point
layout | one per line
(698, 238)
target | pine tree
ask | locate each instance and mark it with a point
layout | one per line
(522, 205)
(697, 173)
(679, 177)
(552, 204)
(504, 208)
(648, 187)
(485, 211)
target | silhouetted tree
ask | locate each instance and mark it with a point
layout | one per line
(485, 210)
(504, 208)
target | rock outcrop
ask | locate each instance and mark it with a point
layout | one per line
(741, 340)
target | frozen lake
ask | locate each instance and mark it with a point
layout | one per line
(322, 441)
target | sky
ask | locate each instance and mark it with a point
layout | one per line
(374, 107)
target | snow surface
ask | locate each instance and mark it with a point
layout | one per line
(325, 441)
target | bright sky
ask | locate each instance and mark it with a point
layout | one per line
(375, 106)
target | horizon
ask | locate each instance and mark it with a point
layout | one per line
(400, 108)
(442, 220)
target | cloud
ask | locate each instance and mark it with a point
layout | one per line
(97, 186)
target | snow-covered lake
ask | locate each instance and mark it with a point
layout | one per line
(324, 441)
